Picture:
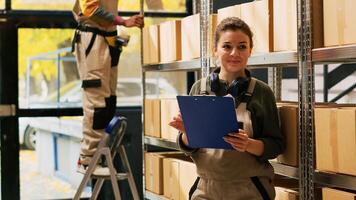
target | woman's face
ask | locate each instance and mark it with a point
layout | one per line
(233, 50)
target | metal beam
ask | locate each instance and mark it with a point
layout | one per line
(339, 74)
(325, 88)
(63, 19)
(9, 127)
(342, 94)
(7, 4)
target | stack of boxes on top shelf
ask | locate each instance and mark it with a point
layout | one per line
(259, 16)
(174, 40)
(274, 24)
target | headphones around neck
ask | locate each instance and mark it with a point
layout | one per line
(236, 88)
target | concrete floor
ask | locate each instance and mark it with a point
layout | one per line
(36, 186)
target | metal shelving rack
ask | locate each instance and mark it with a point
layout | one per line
(339, 54)
(306, 57)
(261, 60)
(281, 169)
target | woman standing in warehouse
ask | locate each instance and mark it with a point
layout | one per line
(243, 173)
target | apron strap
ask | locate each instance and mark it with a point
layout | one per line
(203, 83)
(260, 188)
(194, 187)
(251, 87)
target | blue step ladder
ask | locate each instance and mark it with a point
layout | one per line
(110, 144)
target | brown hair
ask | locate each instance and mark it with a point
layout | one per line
(232, 24)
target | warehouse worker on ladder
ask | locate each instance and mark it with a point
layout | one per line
(97, 49)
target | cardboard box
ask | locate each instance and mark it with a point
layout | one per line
(152, 117)
(191, 36)
(151, 52)
(154, 173)
(289, 126)
(333, 194)
(259, 16)
(187, 177)
(285, 25)
(346, 139)
(170, 41)
(335, 137)
(171, 178)
(326, 151)
(231, 11)
(318, 25)
(286, 194)
(178, 170)
(339, 22)
(169, 109)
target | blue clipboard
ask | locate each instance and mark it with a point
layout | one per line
(207, 119)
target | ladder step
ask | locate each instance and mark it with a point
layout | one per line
(119, 176)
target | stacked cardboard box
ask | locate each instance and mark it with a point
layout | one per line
(285, 25)
(152, 117)
(286, 188)
(286, 194)
(191, 36)
(335, 137)
(179, 176)
(154, 172)
(231, 11)
(170, 174)
(339, 22)
(170, 41)
(333, 194)
(288, 113)
(169, 109)
(151, 52)
(259, 16)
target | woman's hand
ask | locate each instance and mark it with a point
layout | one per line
(241, 142)
(177, 123)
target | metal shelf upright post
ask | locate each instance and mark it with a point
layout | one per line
(275, 81)
(142, 12)
(306, 100)
(205, 9)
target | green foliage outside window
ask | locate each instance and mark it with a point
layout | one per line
(38, 41)
(2, 4)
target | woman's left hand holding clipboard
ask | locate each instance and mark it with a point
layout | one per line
(178, 124)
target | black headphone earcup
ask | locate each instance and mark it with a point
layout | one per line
(214, 82)
(234, 88)
(238, 86)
